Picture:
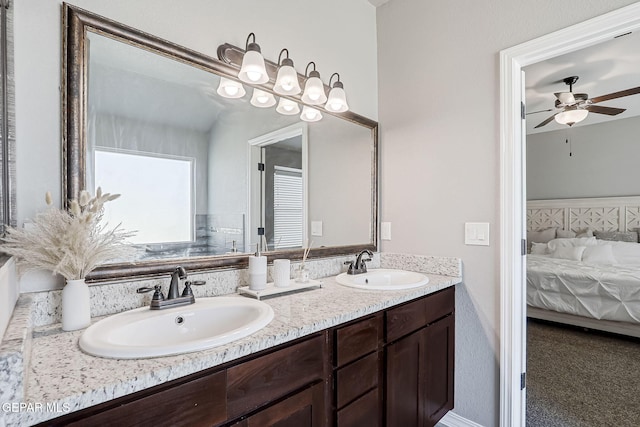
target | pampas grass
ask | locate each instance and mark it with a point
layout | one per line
(70, 242)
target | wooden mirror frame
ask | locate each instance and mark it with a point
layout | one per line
(76, 23)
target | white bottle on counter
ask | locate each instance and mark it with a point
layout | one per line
(257, 271)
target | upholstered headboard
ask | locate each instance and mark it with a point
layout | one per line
(598, 214)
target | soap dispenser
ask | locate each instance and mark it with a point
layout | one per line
(257, 270)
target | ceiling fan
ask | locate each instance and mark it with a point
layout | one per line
(576, 106)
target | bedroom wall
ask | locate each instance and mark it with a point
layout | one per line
(439, 122)
(603, 161)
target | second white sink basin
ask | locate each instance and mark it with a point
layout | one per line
(383, 279)
(208, 323)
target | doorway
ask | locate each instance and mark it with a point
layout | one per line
(278, 193)
(512, 190)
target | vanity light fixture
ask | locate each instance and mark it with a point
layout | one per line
(313, 88)
(337, 101)
(287, 79)
(262, 99)
(230, 88)
(310, 114)
(287, 107)
(253, 69)
(571, 117)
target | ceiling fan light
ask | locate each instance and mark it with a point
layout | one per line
(287, 107)
(571, 117)
(230, 88)
(310, 114)
(262, 99)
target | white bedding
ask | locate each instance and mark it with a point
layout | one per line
(610, 292)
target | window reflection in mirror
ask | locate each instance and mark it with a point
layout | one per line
(156, 194)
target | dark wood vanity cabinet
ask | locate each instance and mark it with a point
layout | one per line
(357, 373)
(284, 386)
(419, 358)
(393, 368)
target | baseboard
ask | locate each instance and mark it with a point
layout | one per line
(453, 420)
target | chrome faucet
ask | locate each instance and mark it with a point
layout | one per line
(174, 298)
(360, 265)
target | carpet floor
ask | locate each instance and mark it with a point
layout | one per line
(581, 378)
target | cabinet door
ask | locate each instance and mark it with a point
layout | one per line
(303, 409)
(405, 381)
(420, 376)
(439, 352)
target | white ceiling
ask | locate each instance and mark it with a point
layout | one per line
(604, 68)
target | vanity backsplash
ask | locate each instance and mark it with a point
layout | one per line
(114, 297)
(110, 298)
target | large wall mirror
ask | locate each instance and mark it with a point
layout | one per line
(204, 178)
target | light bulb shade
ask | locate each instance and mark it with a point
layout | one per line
(571, 117)
(230, 88)
(310, 114)
(253, 70)
(314, 90)
(287, 81)
(337, 101)
(287, 107)
(262, 99)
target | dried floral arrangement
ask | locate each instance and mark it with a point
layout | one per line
(70, 242)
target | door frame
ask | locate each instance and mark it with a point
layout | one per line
(513, 189)
(256, 184)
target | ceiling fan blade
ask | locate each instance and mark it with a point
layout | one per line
(550, 119)
(540, 111)
(614, 95)
(565, 97)
(610, 111)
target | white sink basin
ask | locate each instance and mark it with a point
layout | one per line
(208, 323)
(383, 279)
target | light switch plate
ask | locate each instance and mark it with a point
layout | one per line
(316, 228)
(476, 233)
(385, 230)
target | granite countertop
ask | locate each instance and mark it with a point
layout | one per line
(60, 377)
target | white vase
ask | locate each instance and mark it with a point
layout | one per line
(76, 305)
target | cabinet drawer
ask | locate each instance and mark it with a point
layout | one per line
(200, 402)
(363, 412)
(274, 375)
(440, 304)
(403, 320)
(356, 340)
(355, 379)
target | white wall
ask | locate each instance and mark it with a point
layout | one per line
(339, 36)
(604, 161)
(8, 293)
(438, 111)
(340, 159)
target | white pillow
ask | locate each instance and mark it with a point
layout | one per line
(568, 243)
(542, 236)
(573, 253)
(599, 254)
(625, 253)
(539, 248)
(565, 234)
(585, 233)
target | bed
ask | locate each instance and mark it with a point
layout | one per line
(597, 288)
